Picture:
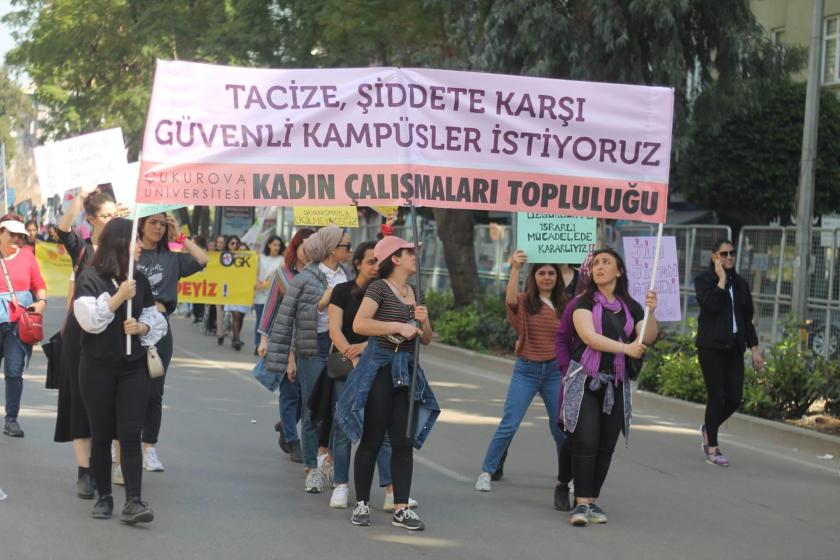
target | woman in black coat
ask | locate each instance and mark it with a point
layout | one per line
(724, 331)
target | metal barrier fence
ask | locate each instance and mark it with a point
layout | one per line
(767, 259)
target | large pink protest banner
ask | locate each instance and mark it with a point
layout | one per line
(384, 136)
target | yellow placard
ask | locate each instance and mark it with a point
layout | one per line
(386, 210)
(341, 216)
(56, 267)
(228, 278)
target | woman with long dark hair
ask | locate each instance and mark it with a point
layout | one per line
(71, 423)
(376, 398)
(289, 400)
(237, 312)
(163, 268)
(596, 403)
(115, 384)
(725, 330)
(534, 315)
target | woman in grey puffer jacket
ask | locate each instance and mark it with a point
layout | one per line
(302, 321)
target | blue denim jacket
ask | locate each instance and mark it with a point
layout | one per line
(350, 410)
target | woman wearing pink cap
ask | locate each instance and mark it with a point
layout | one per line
(376, 397)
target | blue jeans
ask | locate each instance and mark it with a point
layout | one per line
(341, 446)
(529, 378)
(290, 408)
(308, 371)
(15, 355)
(258, 310)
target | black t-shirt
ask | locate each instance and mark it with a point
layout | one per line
(610, 329)
(342, 296)
(76, 248)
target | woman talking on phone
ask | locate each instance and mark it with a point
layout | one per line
(724, 331)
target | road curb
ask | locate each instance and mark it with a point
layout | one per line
(804, 440)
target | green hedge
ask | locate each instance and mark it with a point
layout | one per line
(792, 380)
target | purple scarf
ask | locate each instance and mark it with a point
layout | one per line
(591, 360)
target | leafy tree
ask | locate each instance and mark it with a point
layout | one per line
(747, 167)
(15, 108)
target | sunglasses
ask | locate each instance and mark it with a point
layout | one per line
(727, 254)
(348, 245)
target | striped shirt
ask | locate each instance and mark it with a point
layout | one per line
(392, 309)
(272, 303)
(536, 333)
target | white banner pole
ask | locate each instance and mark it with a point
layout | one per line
(132, 247)
(652, 278)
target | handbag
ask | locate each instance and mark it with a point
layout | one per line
(338, 366)
(154, 362)
(30, 324)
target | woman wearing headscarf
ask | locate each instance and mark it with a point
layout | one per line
(303, 315)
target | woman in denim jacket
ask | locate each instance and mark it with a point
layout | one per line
(376, 397)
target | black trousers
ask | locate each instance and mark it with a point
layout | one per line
(386, 411)
(154, 410)
(115, 396)
(723, 372)
(564, 461)
(594, 441)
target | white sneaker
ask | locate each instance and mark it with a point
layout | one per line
(340, 497)
(116, 475)
(483, 483)
(327, 469)
(389, 502)
(151, 462)
(314, 483)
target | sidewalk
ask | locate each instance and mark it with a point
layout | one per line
(796, 439)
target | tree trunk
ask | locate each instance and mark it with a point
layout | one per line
(455, 230)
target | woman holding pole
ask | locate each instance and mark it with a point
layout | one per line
(377, 399)
(596, 400)
(535, 315)
(724, 330)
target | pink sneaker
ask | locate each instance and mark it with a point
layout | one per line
(717, 458)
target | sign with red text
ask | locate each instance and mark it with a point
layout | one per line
(638, 258)
(228, 278)
(229, 136)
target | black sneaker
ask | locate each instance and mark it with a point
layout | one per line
(596, 514)
(561, 497)
(103, 508)
(580, 515)
(85, 486)
(500, 470)
(12, 429)
(295, 454)
(136, 511)
(408, 519)
(361, 514)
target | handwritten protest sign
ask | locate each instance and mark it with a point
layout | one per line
(89, 159)
(639, 253)
(342, 216)
(548, 238)
(382, 136)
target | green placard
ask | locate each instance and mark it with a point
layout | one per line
(549, 238)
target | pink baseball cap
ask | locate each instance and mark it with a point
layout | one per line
(389, 245)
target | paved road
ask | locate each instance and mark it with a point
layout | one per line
(229, 492)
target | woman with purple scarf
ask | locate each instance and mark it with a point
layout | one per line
(596, 403)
